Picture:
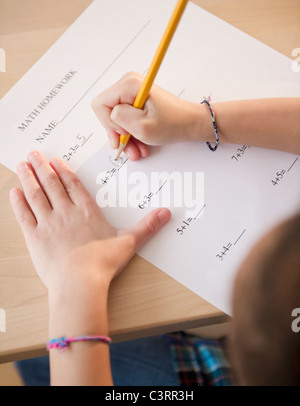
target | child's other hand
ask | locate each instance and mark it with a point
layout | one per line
(66, 233)
(164, 119)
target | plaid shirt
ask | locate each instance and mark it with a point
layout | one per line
(199, 361)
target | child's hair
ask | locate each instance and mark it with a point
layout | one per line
(265, 348)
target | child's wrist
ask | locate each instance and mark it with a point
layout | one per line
(78, 307)
(76, 281)
(201, 129)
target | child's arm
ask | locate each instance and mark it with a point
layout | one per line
(268, 123)
(76, 253)
(76, 310)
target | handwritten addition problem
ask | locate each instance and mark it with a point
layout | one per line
(226, 248)
(72, 150)
(186, 222)
(117, 166)
(279, 175)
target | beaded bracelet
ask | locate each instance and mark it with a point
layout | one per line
(206, 101)
(63, 342)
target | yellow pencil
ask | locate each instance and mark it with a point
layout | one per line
(154, 67)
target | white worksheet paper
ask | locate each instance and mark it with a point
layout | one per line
(247, 190)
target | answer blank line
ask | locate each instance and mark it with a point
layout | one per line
(239, 237)
(181, 93)
(199, 212)
(293, 164)
(109, 66)
(162, 186)
(87, 139)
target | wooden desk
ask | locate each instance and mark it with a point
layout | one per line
(143, 300)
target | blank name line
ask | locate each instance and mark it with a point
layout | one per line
(240, 236)
(293, 164)
(109, 66)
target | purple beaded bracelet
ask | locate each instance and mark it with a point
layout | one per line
(206, 101)
(63, 342)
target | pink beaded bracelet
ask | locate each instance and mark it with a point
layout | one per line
(63, 342)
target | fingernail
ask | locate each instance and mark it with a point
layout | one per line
(129, 154)
(34, 156)
(113, 143)
(164, 215)
(56, 163)
(122, 131)
(13, 192)
(22, 167)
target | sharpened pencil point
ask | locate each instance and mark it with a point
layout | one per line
(119, 150)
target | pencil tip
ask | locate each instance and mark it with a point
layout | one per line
(120, 149)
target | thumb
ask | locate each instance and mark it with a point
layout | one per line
(127, 117)
(123, 248)
(146, 228)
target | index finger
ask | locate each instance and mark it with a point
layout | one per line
(122, 92)
(72, 184)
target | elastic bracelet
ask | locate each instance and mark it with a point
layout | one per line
(206, 101)
(63, 342)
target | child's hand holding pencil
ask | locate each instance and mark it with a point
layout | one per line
(164, 118)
